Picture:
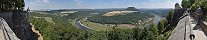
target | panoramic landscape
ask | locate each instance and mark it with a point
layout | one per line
(103, 19)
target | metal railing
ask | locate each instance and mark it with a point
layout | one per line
(188, 23)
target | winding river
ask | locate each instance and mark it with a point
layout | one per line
(83, 27)
(78, 24)
(157, 19)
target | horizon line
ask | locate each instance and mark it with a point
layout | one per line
(96, 8)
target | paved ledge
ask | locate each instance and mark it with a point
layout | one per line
(185, 27)
(180, 32)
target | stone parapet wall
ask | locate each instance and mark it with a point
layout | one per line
(19, 23)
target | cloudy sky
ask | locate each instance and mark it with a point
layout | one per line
(98, 4)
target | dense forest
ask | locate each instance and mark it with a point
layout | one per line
(64, 30)
(120, 19)
(194, 4)
(61, 30)
(161, 12)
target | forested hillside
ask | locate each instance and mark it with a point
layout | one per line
(120, 19)
(195, 4)
(64, 30)
(161, 12)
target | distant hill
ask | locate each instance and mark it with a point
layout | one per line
(159, 11)
(113, 13)
(131, 9)
(120, 19)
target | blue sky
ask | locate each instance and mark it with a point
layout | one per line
(98, 4)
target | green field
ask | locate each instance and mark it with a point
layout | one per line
(105, 27)
(95, 26)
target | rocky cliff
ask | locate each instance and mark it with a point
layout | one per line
(178, 12)
(19, 23)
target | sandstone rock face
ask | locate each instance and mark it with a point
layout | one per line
(178, 12)
(19, 23)
(177, 6)
(8, 17)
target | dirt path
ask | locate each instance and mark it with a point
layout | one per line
(36, 31)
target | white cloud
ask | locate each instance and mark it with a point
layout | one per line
(42, 1)
(46, 1)
(158, 4)
(38, 4)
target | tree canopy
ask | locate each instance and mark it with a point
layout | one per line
(10, 5)
(187, 3)
(120, 19)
